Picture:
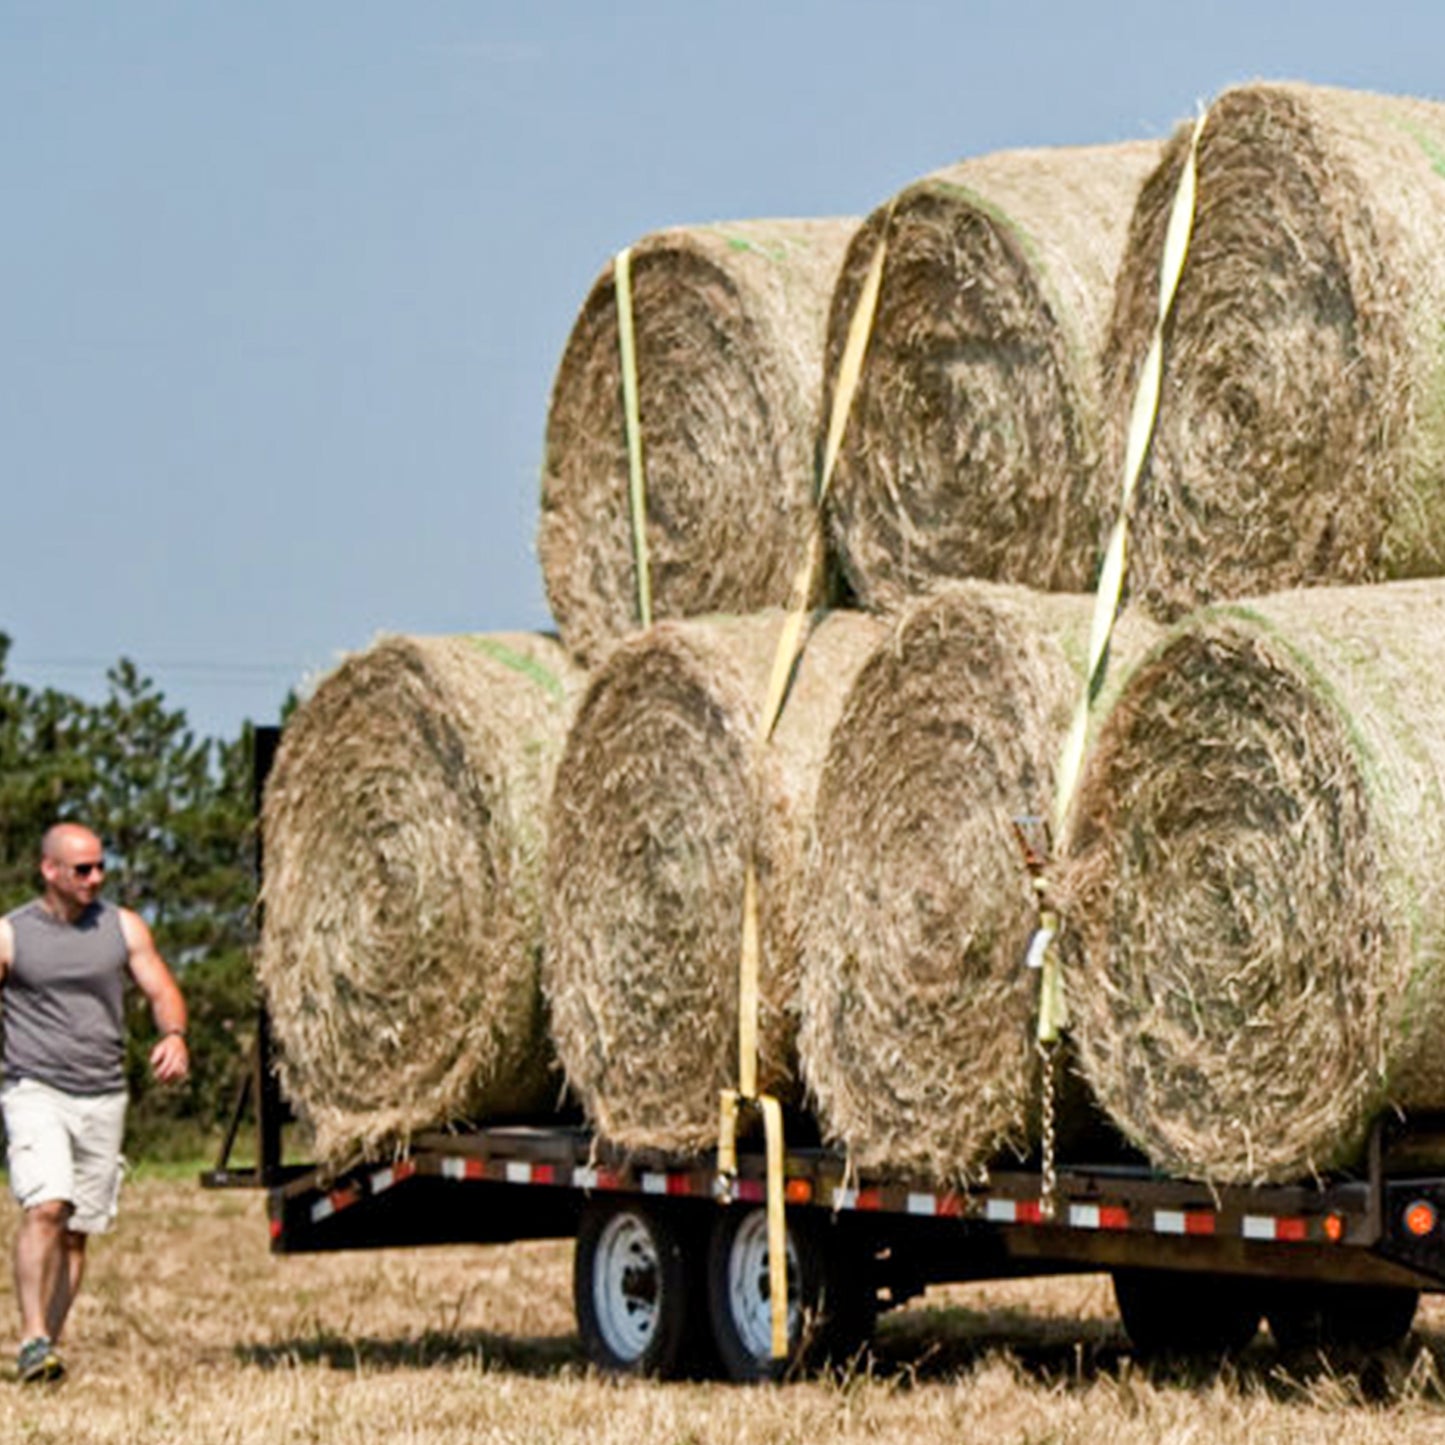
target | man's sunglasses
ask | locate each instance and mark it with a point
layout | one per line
(84, 870)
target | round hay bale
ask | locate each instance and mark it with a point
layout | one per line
(1255, 884)
(1301, 430)
(729, 323)
(917, 1031)
(973, 444)
(659, 797)
(404, 840)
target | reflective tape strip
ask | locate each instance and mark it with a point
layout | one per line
(1287, 1229)
(1012, 1211)
(398, 1173)
(463, 1169)
(334, 1203)
(595, 1179)
(1183, 1221)
(1098, 1216)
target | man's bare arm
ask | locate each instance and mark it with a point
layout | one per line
(7, 945)
(169, 1059)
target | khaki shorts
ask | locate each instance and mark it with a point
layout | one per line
(67, 1147)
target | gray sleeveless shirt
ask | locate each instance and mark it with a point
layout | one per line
(64, 1000)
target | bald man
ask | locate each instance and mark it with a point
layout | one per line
(64, 959)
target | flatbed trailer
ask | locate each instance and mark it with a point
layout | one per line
(671, 1264)
(671, 1272)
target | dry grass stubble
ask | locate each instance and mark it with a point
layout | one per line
(190, 1332)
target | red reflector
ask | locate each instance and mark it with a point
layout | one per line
(1420, 1218)
(275, 1229)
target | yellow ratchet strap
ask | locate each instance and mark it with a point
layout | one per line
(790, 645)
(1053, 1009)
(632, 420)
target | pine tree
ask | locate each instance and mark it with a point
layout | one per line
(175, 815)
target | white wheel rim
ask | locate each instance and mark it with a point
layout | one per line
(750, 1296)
(626, 1286)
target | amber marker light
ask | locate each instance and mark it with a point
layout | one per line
(798, 1191)
(1420, 1218)
(1334, 1227)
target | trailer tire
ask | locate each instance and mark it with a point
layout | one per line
(832, 1301)
(638, 1289)
(1308, 1316)
(1167, 1312)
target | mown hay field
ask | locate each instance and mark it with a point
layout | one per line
(190, 1331)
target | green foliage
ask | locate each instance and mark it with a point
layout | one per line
(176, 818)
(42, 766)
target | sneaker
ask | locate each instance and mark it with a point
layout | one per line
(38, 1362)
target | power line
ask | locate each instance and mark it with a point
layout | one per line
(90, 664)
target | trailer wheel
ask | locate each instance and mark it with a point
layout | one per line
(832, 1304)
(1178, 1313)
(1317, 1316)
(638, 1290)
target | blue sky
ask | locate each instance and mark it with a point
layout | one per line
(285, 284)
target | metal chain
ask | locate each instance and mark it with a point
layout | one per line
(1048, 1054)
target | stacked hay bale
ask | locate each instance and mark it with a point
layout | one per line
(1258, 772)
(661, 796)
(404, 839)
(917, 1036)
(729, 324)
(1256, 884)
(973, 445)
(1301, 433)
